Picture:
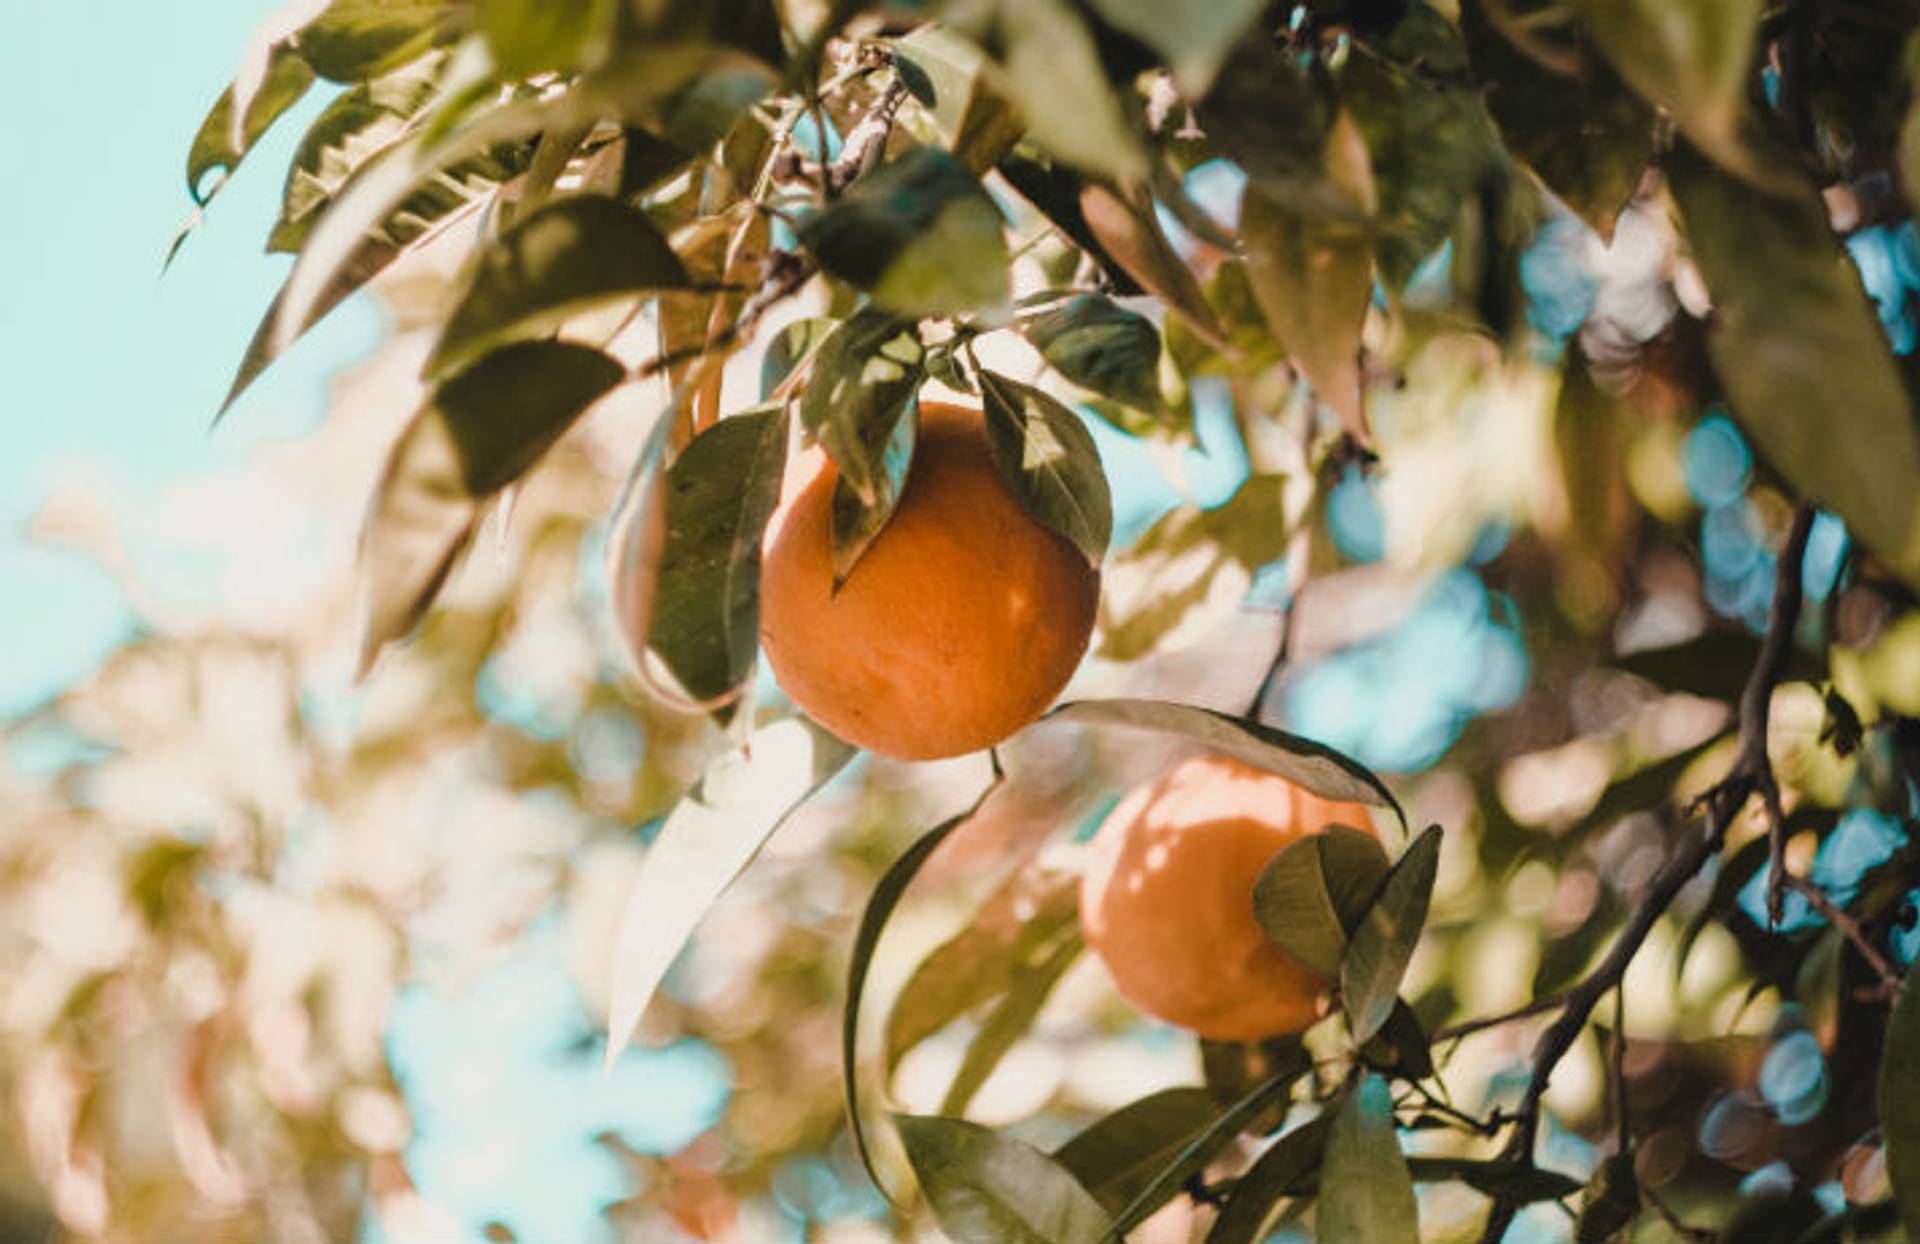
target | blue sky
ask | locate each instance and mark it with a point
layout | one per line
(106, 362)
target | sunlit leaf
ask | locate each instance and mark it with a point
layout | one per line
(1047, 459)
(479, 432)
(1118, 1156)
(1193, 35)
(1100, 345)
(565, 258)
(706, 841)
(1316, 890)
(354, 40)
(214, 146)
(1366, 1193)
(527, 37)
(866, 939)
(791, 346)
(1010, 1019)
(919, 233)
(720, 492)
(1289, 1167)
(1802, 356)
(1319, 768)
(1382, 944)
(855, 524)
(1052, 70)
(1899, 1103)
(944, 71)
(863, 377)
(991, 1189)
(1127, 230)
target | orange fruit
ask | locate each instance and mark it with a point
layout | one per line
(959, 625)
(1167, 899)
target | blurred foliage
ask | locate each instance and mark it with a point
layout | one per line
(1464, 387)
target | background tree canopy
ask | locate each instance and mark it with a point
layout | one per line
(1495, 416)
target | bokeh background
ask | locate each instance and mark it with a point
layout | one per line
(289, 956)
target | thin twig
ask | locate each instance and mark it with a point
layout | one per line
(1467, 1028)
(1851, 930)
(1750, 774)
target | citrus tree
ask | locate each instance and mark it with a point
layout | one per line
(1603, 305)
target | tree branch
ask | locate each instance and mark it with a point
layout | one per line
(1750, 774)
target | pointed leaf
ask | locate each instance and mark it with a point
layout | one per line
(1521, 1182)
(855, 524)
(1314, 281)
(214, 145)
(1117, 1157)
(1314, 891)
(991, 1189)
(1382, 944)
(1802, 356)
(944, 71)
(1052, 71)
(862, 379)
(1010, 1019)
(1366, 1193)
(1193, 36)
(1047, 459)
(708, 839)
(1317, 767)
(1899, 1103)
(1100, 345)
(478, 432)
(354, 40)
(790, 347)
(919, 233)
(866, 939)
(720, 492)
(1289, 1167)
(1128, 231)
(568, 257)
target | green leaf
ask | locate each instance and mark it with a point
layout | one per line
(855, 524)
(790, 347)
(478, 432)
(945, 72)
(1117, 1157)
(1289, 1167)
(1314, 891)
(866, 939)
(863, 377)
(1382, 944)
(1610, 1201)
(1692, 60)
(706, 841)
(1052, 71)
(1802, 356)
(1269, 116)
(1100, 345)
(1401, 1046)
(720, 492)
(919, 233)
(1317, 767)
(214, 144)
(1313, 279)
(568, 257)
(1047, 459)
(1019, 927)
(1520, 1182)
(1193, 36)
(1366, 1193)
(991, 1189)
(1010, 1019)
(1583, 132)
(354, 40)
(528, 37)
(1899, 1104)
(1127, 230)
(1204, 1147)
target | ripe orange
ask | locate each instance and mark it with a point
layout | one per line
(1167, 899)
(958, 626)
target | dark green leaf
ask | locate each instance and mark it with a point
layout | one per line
(1315, 890)
(1610, 1202)
(1009, 1020)
(528, 37)
(1270, 117)
(1899, 1102)
(855, 524)
(1289, 1167)
(991, 1189)
(1017, 928)
(873, 921)
(354, 40)
(214, 146)
(1100, 345)
(1520, 1182)
(1047, 459)
(862, 379)
(1193, 36)
(919, 233)
(1771, 1218)
(943, 70)
(1366, 1192)
(1052, 70)
(789, 348)
(1117, 1157)
(478, 432)
(1401, 1046)
(1802, 355)
(1204, 1147)
(1317, 767)
(568, 257)
(720, 492)
(1382, 945)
